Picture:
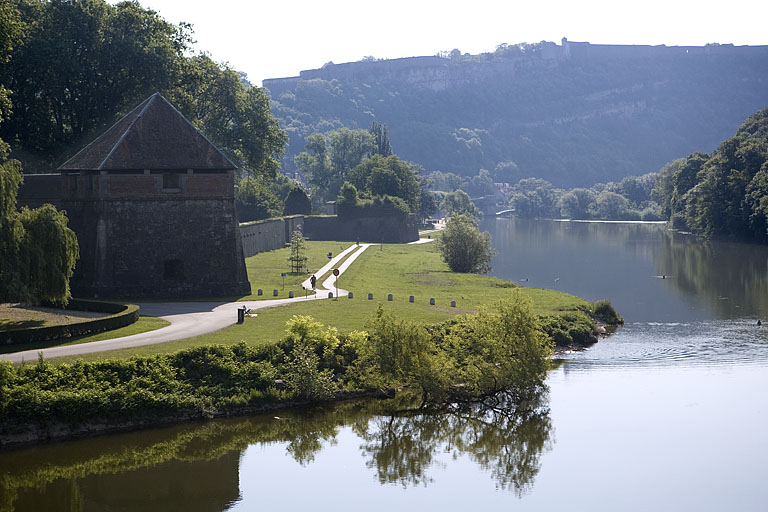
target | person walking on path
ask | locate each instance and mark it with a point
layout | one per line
(313, 280)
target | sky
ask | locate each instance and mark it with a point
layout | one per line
(274, 39)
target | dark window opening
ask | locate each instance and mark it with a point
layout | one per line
(171, 180)
(173, 270)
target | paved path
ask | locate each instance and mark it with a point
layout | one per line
(191, 318)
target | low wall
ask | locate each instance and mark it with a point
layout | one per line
(268, 235)
(398, 229)
(120, 316)
(271, 234)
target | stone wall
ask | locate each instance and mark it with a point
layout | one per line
(269, 234)
(148, 235)
(391, 229)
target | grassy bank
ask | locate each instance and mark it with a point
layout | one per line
(498, 339)
(265, 270)
(401, 270)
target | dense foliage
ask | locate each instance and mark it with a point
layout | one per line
(463, 247)
(629, 199)
(328, 160)
(80, 65)
(502, 348)
(386, 176)
(37, 250)
(297, 202)
(725, 193)
(573, 122)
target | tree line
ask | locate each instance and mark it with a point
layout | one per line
(77, 66)
(724, 193)
(69, 70)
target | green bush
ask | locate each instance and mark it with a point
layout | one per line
(603, 311)
(569, 329)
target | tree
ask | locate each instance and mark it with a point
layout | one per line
(329, 159)
(459, 203)
(255, 201)
(610, 205)
(481, 185)
(379, 176)
(38, 251)
(83, 63)
(463, 247)
(298, 257)
(297, 202)
(427, 204)
(380, 137)
(575, 204)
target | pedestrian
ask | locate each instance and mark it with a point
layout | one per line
(312, 281)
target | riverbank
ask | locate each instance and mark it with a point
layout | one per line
(283, 356)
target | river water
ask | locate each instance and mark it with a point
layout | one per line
(669, 413)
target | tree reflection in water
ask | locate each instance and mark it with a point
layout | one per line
(400, 443)
(503, 439)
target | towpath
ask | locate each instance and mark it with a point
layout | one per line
(189, 319)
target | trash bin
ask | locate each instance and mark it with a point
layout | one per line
(240, 315)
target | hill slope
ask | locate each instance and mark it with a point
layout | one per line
(573, 114)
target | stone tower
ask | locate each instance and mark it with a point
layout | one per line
(152, 203)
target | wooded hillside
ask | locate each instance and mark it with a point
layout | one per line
(573, 115)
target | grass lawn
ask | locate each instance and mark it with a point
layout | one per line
(402, 270)
(18, 316)
(265, 269)
(144, 324)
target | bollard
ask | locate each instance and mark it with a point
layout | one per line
(370, 296)
(290, 294)
(389, 297)
(432, 301)
(350, 295)
(260, 291)
(274, 293)
(453, 303)
(330, 295)
(410, 299)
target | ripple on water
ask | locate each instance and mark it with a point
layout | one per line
(652, 344)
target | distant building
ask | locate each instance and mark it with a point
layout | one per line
(152, 203)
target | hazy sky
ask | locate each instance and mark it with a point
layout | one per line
(272, 39)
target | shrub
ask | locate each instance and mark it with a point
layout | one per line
(603, 311)
(463, 247)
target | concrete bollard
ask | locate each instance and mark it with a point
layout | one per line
(330, 295)
(410, 299)
(260, 292)
(350, 295)
(453, 303)
(432, 301)
(290, 294)
(389, 297)
(370, 296)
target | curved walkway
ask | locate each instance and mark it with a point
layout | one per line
(191, 318)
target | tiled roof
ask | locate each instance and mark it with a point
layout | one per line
(154, 136)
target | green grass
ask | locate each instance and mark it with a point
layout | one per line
(265, 269)
(18, 316)
(402, 270)
(144, 324)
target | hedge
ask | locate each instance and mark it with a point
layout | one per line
(120, 316)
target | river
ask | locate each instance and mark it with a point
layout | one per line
(669, 413)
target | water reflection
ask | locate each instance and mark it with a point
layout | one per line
(623, 262)
(505, 443)
(196, 467)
